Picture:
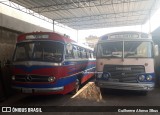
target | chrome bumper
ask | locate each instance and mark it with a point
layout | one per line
(125, 86)
(37, 90)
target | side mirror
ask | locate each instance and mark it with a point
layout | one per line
(156, 51)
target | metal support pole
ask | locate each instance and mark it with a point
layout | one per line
(77, 36)
(53, 26)
(149, 23)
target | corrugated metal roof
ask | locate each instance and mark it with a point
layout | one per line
(89, 14)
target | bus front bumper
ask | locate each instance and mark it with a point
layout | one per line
(38, 90)
(125, 86)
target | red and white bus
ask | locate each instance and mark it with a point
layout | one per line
(50, 63)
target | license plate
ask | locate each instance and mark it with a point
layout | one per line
(26, 90)
(113, 80)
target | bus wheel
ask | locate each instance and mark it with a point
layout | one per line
(76, 87)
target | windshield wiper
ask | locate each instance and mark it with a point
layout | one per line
(110, 56)
(129, 54)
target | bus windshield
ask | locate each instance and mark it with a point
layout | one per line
(39, 51)
(132, 49)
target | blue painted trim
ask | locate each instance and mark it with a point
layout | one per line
(31, 68)
(73, 62)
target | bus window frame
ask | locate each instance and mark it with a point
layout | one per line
(32, 41)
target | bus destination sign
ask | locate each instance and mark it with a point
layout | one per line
(123, 36)
(37, 36)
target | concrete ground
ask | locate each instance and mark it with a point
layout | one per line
(89, 95)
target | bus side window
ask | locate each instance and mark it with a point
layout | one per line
(69, 54)
(84, 53)
(87, 53)
(75, 52)
(79, 52)
(90, 54)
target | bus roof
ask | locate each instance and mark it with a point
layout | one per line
(49, 36)
(44, 36)
(127, 35)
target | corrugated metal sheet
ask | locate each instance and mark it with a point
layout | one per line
(87, 14)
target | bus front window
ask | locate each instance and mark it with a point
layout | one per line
(39, 51)
(132, 49)
(110, 50)
(138, 49)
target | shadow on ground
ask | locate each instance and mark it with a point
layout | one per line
(117, 92)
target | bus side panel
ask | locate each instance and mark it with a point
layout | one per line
(87, 77)
(84, 70)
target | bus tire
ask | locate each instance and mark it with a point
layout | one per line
(76, 87)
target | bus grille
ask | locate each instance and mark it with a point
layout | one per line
(124, 73)
(31, 78)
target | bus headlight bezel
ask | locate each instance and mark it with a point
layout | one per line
(141, 78)
(106, 75)
(13, 78)
(51, 79)
(149, 78)
(99, 75)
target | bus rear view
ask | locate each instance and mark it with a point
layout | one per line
(125, 60)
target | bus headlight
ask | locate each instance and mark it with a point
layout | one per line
(149, 78)
(99, 75)
(106, 75)
(141, 78)
(13, 78)
(51, 79)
